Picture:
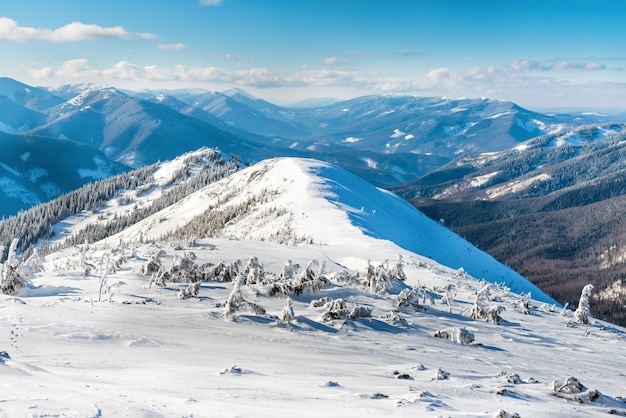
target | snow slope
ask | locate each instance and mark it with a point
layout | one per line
(333, 208)
(94, 336)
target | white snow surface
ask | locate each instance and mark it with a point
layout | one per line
(66, 350)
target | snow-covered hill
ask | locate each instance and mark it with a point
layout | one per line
(279, 290)
(290, 200)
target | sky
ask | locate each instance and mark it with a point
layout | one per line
(540, 54)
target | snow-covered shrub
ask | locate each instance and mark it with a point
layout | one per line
(335, 309)
(583, 312)
(307, 280)
(254, 271)
(397, 271)
(190, 291)
(360, 312)
(347, 278)
(524, 304)
(185, 269)
(235, 299)
(503, 414)
(237, 302)
(571, 385)
(481, 310)
(281, 287)
(159, 278)
(153, 265)
(288, 314)
(14, 277)
(393, 318)
(35, 261)
(227, 272)
(456, 334)
(572, 389)
(448, 298)
(318, 303)
(106, 286)
(441, 374)
(408, 299)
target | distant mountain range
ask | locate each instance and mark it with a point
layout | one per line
(552, 208)
(387, 140)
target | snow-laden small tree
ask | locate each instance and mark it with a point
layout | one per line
(397, 271)
(254, 271)
(408, 299)
(481, 309)
(235, 299)
(583, 311)
(35, 261)
(13, 277)
(237, 302)
(288, 314)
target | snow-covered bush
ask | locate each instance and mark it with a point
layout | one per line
(481, 310)
(185, 269)
(14, 276)
(408, 299)
(360, 312)
(503, 414)
(190, 291)
(154, 264)
(572, 389)
(236, 301)
(318, 303)
(458, 335)
(307, 280)
(227, 272)
(254, 271)
(397, 271)
(393, 318)
(35, 261)
(288, 314)
(335, 309)
(159, 278)
(583, 312)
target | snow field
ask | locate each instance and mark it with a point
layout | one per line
(146, 352)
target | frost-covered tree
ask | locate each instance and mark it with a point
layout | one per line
(185, 269)
(254, 271)
(288, 315)
(236, 301)
(583, 311)
(35, 261)
(397, 271)
(482, 310)
(14, 276)
(190, 291)
(408, 299)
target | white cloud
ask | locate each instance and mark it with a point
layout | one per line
(518, 79)
(593, 66)
(172, 47)
(10, 30)
(211, 2)
(568, 65)
(334, 61)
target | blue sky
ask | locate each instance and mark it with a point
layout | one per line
(538, 53)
